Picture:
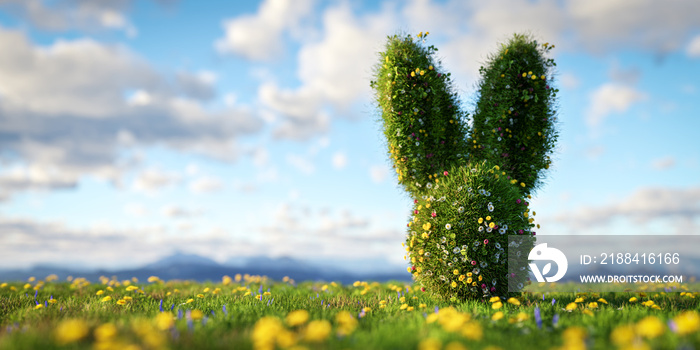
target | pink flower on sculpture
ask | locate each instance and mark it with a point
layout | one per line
(445, 173)
(486, 241)
(473, 262)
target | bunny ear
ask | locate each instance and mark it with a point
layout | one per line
(514, 120)
(424, 127)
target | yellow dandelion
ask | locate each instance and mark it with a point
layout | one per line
(623, 335)
(189, 301)
(687, 322)
(514, 301)
(196, 314)
(105, 332)
(317, 331)
(497, 316)
(578, 300)
(650, 327)
(164, 321)
(429, 344)
(106, 299)
(571, 306)
(121, 302)
(633, 299)
(297, 318)
(346, 323)
(69, 331)
(497, 305)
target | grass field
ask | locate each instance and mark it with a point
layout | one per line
(254, 312)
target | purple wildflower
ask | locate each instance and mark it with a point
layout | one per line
(538, 317)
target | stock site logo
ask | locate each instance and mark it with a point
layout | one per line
(542, 252)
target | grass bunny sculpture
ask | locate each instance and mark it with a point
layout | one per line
(470, 182)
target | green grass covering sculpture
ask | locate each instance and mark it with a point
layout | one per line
(470, 185)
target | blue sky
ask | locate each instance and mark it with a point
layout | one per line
(133, 129)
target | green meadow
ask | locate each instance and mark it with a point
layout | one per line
(246, 312)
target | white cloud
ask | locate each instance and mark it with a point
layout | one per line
(602, 25)
(135, 209)
(611, 98)
(569, 81)
(466, 32)
(36, 177)
(663, 163)
(693, 48)
(593, 153)
(260, 36)
(339, 160)
(300, 163)
(206, 184)
(333, 71)
(689, 89)
(192, 169)
(66, 15)
(27, 242)
(63, 107)
(174, 211)
(378, 173)
(153, 180)
(642, 206)
(139, 98)
(300, 231)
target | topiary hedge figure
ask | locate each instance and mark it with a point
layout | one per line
(514, 121)
(470, 187)
(423, 124)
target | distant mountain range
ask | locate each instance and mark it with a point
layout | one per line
(183, 266)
